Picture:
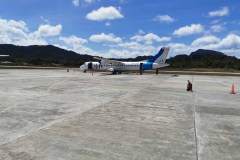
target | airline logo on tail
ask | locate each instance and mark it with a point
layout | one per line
(161, 56)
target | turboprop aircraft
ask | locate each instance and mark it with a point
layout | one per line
(114, 66)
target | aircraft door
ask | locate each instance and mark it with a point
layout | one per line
(141, 68)
(90, 65)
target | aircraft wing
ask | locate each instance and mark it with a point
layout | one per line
(98, 58)
(108, 61)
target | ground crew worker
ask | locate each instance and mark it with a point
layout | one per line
(189, 86)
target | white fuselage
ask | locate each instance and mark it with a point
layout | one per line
(155, 62)
(124, 66)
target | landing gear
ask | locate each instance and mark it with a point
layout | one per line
(141, 68)
(84, 71)
(156, 71)
(117, 72)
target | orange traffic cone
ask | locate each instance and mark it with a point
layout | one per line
(232, 91)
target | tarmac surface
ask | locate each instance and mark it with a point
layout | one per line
(55, 114)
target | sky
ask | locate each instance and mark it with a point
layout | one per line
(123, 28)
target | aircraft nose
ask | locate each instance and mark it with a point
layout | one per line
(81, 67)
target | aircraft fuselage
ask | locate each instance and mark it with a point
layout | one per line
(154, 63)
(124, 66)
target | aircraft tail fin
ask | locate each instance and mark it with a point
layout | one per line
(161, 56)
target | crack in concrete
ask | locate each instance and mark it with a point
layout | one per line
(194, 122)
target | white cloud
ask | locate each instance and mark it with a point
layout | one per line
(141, 31)
(75, 2)
(230, 42)
(45, 20)
(164, 19)
(75, 44)
(16, 32)
(137, 46)
(16, 26)
(80, 49)
(229, 45)
(131, 50)
(131, 45)
(150, 38)
(189, 30)
(102, 38)
(84, 50)
(31, 40)
(89, 1)
(206, 40)
(107, 24)
(122, 1)
(177, 45)
(73, 40)
(104, 13)
(125, 53)
(49, 30)
(215, 21)
(217, 28)
(219, 13)
(122, 53)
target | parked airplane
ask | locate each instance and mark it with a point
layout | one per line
(4, 55)
(114, 66)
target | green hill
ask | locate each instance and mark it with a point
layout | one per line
(204, 59)
(42, 55)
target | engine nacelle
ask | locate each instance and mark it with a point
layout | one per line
(110, 69)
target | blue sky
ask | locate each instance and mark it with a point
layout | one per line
(123, 28)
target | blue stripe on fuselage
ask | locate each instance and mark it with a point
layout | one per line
(153, 59)
(147, 66)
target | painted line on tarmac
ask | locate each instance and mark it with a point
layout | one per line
(58, 83)
(39, 94)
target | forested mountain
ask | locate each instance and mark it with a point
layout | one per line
(205, 59)
(53, 56)
(42, 55)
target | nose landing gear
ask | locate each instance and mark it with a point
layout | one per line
(141, 68)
